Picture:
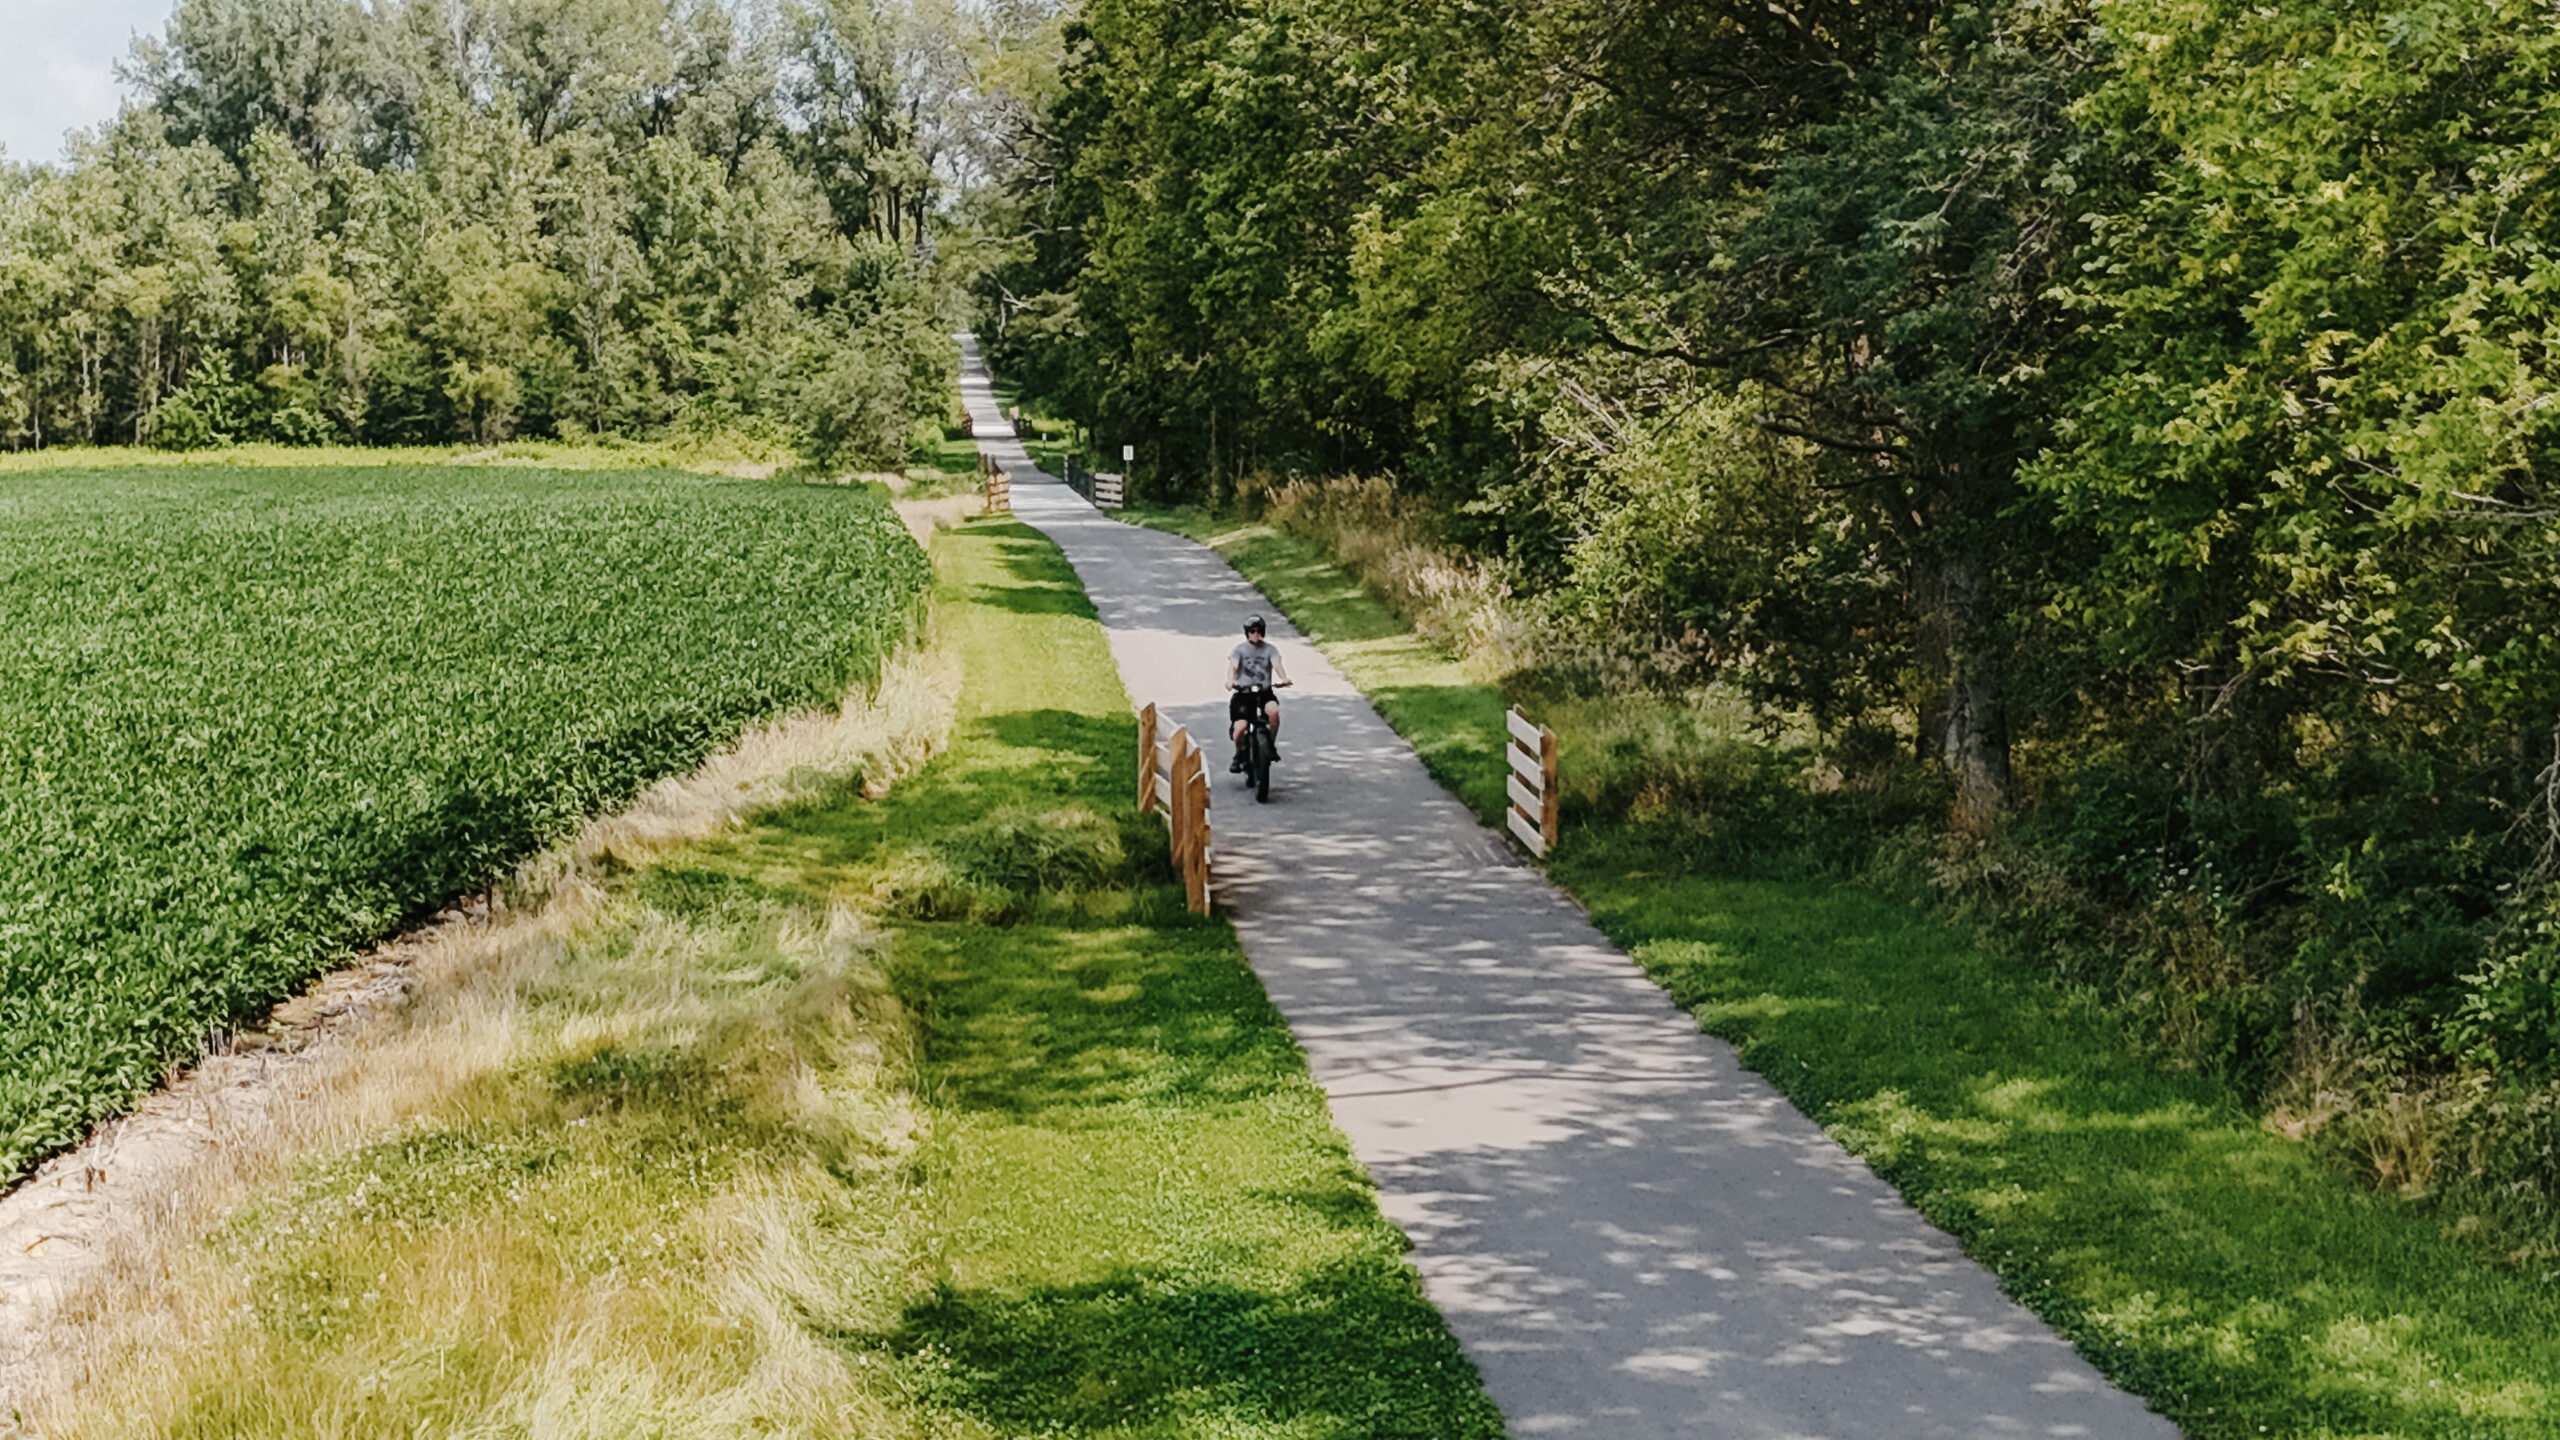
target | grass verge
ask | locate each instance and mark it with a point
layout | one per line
(932, 1114)
(2217, 1270)
(1144, 1221)
(741, 456)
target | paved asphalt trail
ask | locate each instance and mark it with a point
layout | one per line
(1631, 1235)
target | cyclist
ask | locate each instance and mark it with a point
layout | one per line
(1254, 672)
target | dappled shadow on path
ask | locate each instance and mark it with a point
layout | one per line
(1639, 1229)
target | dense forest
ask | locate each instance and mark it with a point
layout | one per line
(2119, 423)
(423, 221)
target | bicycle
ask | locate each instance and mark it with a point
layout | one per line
(1254, 676)
(1258, 748)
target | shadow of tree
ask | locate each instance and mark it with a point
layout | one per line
(2196, 1259)
(1350, 1349)
(1084, 736)
(1041, 580)
(1124, 1014)
(1032, 600)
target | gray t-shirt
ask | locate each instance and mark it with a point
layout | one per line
(1253, 664)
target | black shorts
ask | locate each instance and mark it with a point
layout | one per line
(1242, 704)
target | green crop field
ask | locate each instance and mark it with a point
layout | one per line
(250, 719)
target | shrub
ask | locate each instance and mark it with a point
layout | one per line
(178, 423)
(1388, 540)
(207, 410)
(2508, 1022)
(297, 425)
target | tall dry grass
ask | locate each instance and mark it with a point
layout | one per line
(597, 1165)
(1390, 542)
(736, 454)
(1631, 742)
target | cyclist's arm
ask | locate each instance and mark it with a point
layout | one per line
(1279, 670)
(1231, 672)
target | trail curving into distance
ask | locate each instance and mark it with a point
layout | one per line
(1631, 1235)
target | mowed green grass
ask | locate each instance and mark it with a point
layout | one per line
(251, 718)
(2218, 1271)
(1145, 1223)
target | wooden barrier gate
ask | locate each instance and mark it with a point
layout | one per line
(998, 486)
(1108, 490)
(1173, 782)
(1531, 783)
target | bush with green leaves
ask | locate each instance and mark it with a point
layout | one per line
(301, 425)
(208, 410)
(868, 397)
(250, 720)
(2509, 1019)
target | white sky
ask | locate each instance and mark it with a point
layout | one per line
(57, 61)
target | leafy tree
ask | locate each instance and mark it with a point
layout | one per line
(426, 220)
(1341, 234)
(228, 69)
(2305, 456)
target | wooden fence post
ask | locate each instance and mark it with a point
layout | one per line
(1194, 786)
(1181, 806)
(1200, 852)
(1147, 758)
(1547, 804)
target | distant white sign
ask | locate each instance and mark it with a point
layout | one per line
(1128, 453)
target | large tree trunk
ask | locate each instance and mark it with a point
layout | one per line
(1962, 725)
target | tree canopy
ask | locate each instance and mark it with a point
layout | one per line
(2142, 410)
(431, 220)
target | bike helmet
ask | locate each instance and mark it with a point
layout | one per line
(1253, 625)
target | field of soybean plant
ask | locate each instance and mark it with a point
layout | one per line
(251, 719)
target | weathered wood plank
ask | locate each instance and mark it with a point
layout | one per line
(1522, 795)
(1523, 761)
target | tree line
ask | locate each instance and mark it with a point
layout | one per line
(2137, 414)
(424, 221)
